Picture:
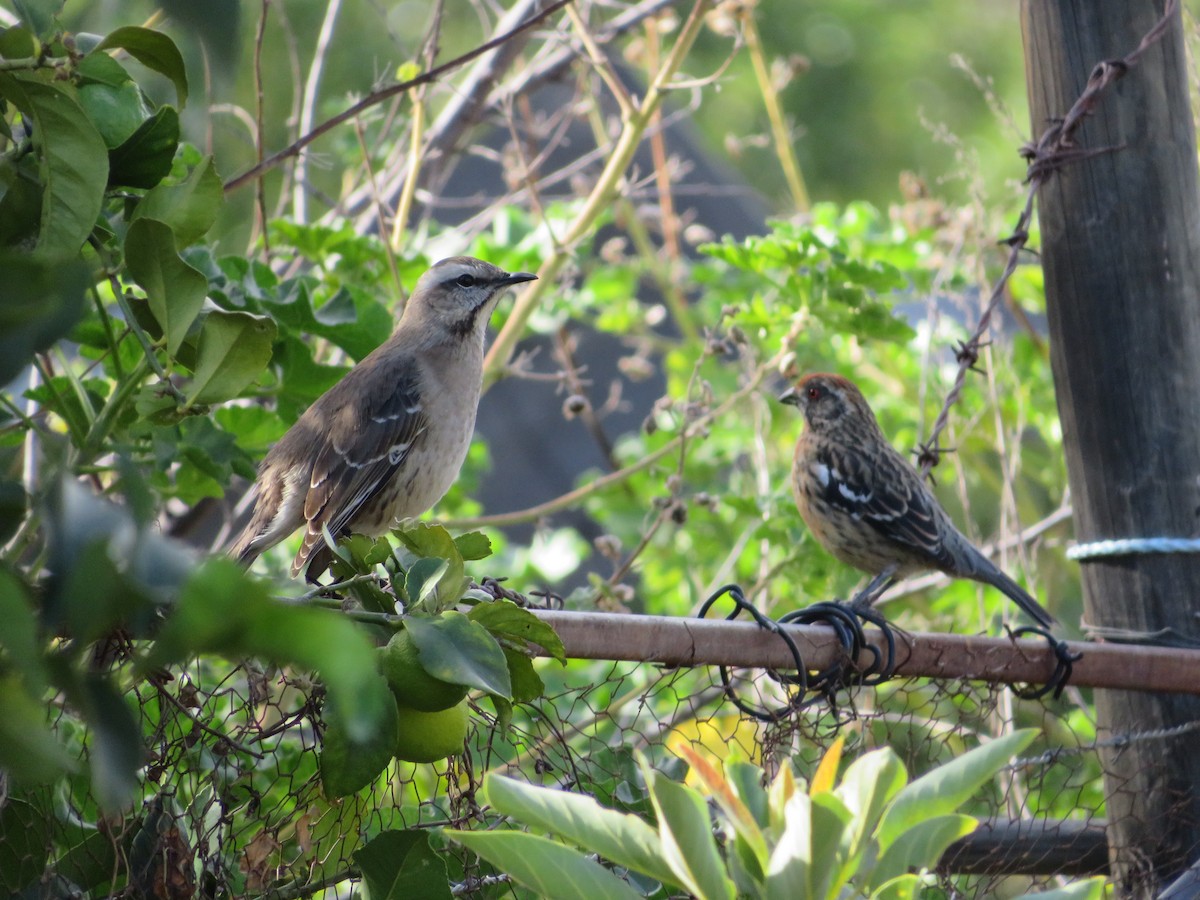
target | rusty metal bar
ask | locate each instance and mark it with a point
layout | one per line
(695, 642)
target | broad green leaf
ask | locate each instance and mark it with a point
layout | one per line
(28, 749)
(155, 51)
(686, 833)
(174, 289)
(738, 814)
(25, 849)
(830, 845)
(527, 685)
(188, 208)
(550, 870)
(867, 786)
(73, 161)
(455, 649)
(116, 751)
(398, 865)
(116, 111)
(18, 637)
(946, 788)
(222, 610)
(905, 887)
(473, 545)
(920, 846)
(90, 863)
(39, 14)
(506, 619)
(621, 838)
(233, 349)
(789, 871)
(421, 582)
(348, 764)
(746, 781)
(430, 541)
(145, 158)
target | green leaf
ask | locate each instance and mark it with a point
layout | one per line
(155, 51)
(18, 637)
(455, 649)
(947, 787)
(527, 685)
(234, 348)
(28, 748)
(397, 865)
(550, 870)
(188, 208)
(73, 161)
(433, 541)
(348, 764)
(116, 750)
(686, 833)
(473, 545)
(26, 845)
(789, 870)
(830, 845)
(40, 300)
(621, 838)
(905, 887)
(39, 14)
(745, 780)
(423, 578)
(505, 619)
(869, 783)
(145, 158)
(222, 610)
(117, 111)
(174, 289)
(920, 847)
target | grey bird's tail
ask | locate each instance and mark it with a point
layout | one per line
(989, 574)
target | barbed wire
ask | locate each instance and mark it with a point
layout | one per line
(1053, 150)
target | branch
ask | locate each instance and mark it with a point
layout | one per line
(377, 97)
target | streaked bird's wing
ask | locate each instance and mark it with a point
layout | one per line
(369, 439)
(888, 497)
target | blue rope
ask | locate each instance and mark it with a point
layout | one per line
(1130, 546)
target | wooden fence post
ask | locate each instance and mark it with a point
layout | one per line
(1121, 252)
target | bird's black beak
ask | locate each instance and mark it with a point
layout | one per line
(791, 397)
(516, 278)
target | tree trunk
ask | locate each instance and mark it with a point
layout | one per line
(1121, 252)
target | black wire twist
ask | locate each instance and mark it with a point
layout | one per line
(1064, 663)
(807, 688)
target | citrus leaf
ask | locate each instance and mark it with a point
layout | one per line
(174, 289)
(155, 51)
(455, 649)
(233, 349)
(396, 865)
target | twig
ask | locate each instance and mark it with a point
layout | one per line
(377, 97)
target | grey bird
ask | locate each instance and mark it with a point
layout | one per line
(388, 440)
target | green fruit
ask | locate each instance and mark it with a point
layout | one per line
(412, 685)
(426, 737)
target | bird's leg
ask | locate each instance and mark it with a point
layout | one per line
(866, 598)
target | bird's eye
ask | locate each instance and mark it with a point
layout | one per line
(814, 393)
(466, 280)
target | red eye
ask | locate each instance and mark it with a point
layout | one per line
(814, 393)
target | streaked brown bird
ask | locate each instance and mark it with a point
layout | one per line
(387, 441)
(868, 506)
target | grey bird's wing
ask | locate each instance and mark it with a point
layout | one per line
(887, 494)
(368, 442)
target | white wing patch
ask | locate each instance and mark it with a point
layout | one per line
(849, 494)
(397, 452)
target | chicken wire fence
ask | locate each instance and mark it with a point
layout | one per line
(231, 801)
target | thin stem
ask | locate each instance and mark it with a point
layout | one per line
(605, 192)
(779, 129)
